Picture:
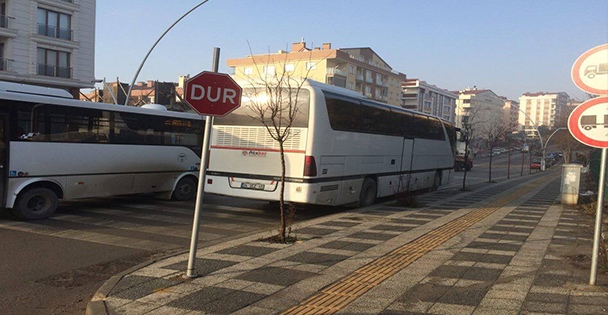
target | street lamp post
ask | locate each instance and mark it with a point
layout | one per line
(154, 46)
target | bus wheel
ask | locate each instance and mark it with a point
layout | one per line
(185, 189)
(436, 181)
(367, 197)
(35, 203)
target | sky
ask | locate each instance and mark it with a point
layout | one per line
(508, 46)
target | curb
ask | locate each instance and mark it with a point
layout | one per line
(97, 304)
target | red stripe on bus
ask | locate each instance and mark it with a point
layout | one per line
(256, 149)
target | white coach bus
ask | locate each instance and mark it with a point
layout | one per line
(55, 147)
(343, 149)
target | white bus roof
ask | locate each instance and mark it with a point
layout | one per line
(44, 95)
(33, 90)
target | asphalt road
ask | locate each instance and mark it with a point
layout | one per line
(54, 266)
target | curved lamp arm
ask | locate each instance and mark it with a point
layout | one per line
(154, 46)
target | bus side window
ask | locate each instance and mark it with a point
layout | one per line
(343, 115)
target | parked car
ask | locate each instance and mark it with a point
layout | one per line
(535, 163)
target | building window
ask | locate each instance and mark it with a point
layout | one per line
(3, 62)
(54, 63)
(54, 24)
(368, 76)
(269, 70)
(248, 70)
(311, 65)
(3, 17)
(351, 69)
(290, 67)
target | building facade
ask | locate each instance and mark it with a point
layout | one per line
(357, 69)
(423, 97)
(542, 109)
(511, 114)
(48, 43)
(483, 110)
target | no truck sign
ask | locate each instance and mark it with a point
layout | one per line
(590, 71)
(588, 123)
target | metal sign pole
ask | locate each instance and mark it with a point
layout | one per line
(598, 218)
(191, 270)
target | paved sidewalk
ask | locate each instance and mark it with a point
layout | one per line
(505, 248)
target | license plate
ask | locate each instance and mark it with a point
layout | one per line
(252, 186)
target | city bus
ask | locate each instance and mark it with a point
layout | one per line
(55, 147)
(343, 149)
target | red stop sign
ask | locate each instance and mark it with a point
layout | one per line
(212, 93)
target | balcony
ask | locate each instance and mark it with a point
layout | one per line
(4, 64)
(55, 32)
(5, 27)
(4, 21)
(54, 71)
(335, 71)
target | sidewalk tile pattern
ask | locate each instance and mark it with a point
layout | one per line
(507, 260)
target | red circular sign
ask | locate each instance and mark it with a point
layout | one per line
(588, 122)
(590, 70)
(212, 93)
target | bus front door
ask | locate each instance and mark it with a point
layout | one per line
(3, 157)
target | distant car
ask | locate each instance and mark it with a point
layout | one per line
(535, 163)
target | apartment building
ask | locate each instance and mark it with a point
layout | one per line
(420, 96)
(481, 108)
(511, 114)
(357, 69)
(542, 109)
(48, 43)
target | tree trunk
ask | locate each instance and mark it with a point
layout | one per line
(490, 168)
(466, 158)
(282, 227)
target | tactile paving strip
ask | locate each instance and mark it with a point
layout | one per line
(339, 294)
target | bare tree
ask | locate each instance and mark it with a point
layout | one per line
(469, 128)
(467, 135)
(275, 103)
(492, 130)
(566, 143)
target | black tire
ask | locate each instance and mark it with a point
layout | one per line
(185, 189)
(367, 197)
(436, 181)
(35, 203)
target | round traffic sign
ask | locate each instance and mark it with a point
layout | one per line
(588, 122)
(212, 93)
(590, 70)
